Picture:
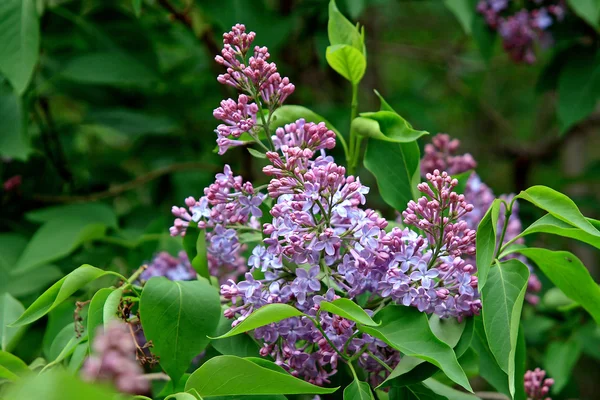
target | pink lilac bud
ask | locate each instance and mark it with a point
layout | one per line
(441, 154)
(12, 183)
(536, 387)
(444, 151)
(113, 360)
(304, 135)
(239, 117)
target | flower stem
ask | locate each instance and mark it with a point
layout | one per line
(354, 143)
(379, 360)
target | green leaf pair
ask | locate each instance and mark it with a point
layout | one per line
(394, 165)
(347, 53)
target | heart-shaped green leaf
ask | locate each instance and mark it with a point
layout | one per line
(230, 376)
(178, 316)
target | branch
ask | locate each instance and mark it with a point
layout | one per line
(124, 187)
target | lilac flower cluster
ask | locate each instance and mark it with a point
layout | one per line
(227, 203)
(173, 268)
(321, 240)
(442, 152)
(521, 30)
(113, 361)
(253, 75)
(536, 387)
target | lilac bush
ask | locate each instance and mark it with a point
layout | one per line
(294, 286)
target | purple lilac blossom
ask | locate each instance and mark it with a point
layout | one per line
(256, 77)
(536, 387)
(319, 226)
(442, 152)
(173, 268)
(113, 360)
(525, 28)
(227, 203)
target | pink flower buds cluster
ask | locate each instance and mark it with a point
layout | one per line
(536, 387)
(113, 360)
(256, 77)
(441, 154)
(304, 135)
(438, 214)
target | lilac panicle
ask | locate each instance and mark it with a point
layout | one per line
(522, 30)
(443, 152)
(536, 387)
(249, 71)
(113, 361)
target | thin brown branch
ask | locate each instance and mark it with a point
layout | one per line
(182, 17)
(124, 187)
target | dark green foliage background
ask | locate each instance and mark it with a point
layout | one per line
(119, 111)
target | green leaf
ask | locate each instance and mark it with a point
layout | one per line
(95, 315)
(578, 88)
(411, 370)
(182, 396)
(415, 392)
(358, 390)
(194, 243)
(342, 31)
(25, 283)
(559, 206)
(239, 345)
(347, 61)
(502, 302)
(65, 344)
(88, 212)
(14, 141)
(486, 242)
(484, 37)
(520, 363)
(108, 68)
(20, 41)
(464, 11)
(10, 310)
(230, 375)
(391, 127)
(406, 329)
(263, 316)
(588, 10)
(569, 274)
(111, 305)
(137, 7)
(79, 355)
(447, 391)
(178, 316)
(396, 168)
(291, 113)
(58, 293)
(553, 225)
(559, 360)
(488, 367)
(256, 153)
(56, 385)
(348, 309)
(65, 229)
(12, 367)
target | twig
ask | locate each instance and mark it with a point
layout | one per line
(124, 187)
